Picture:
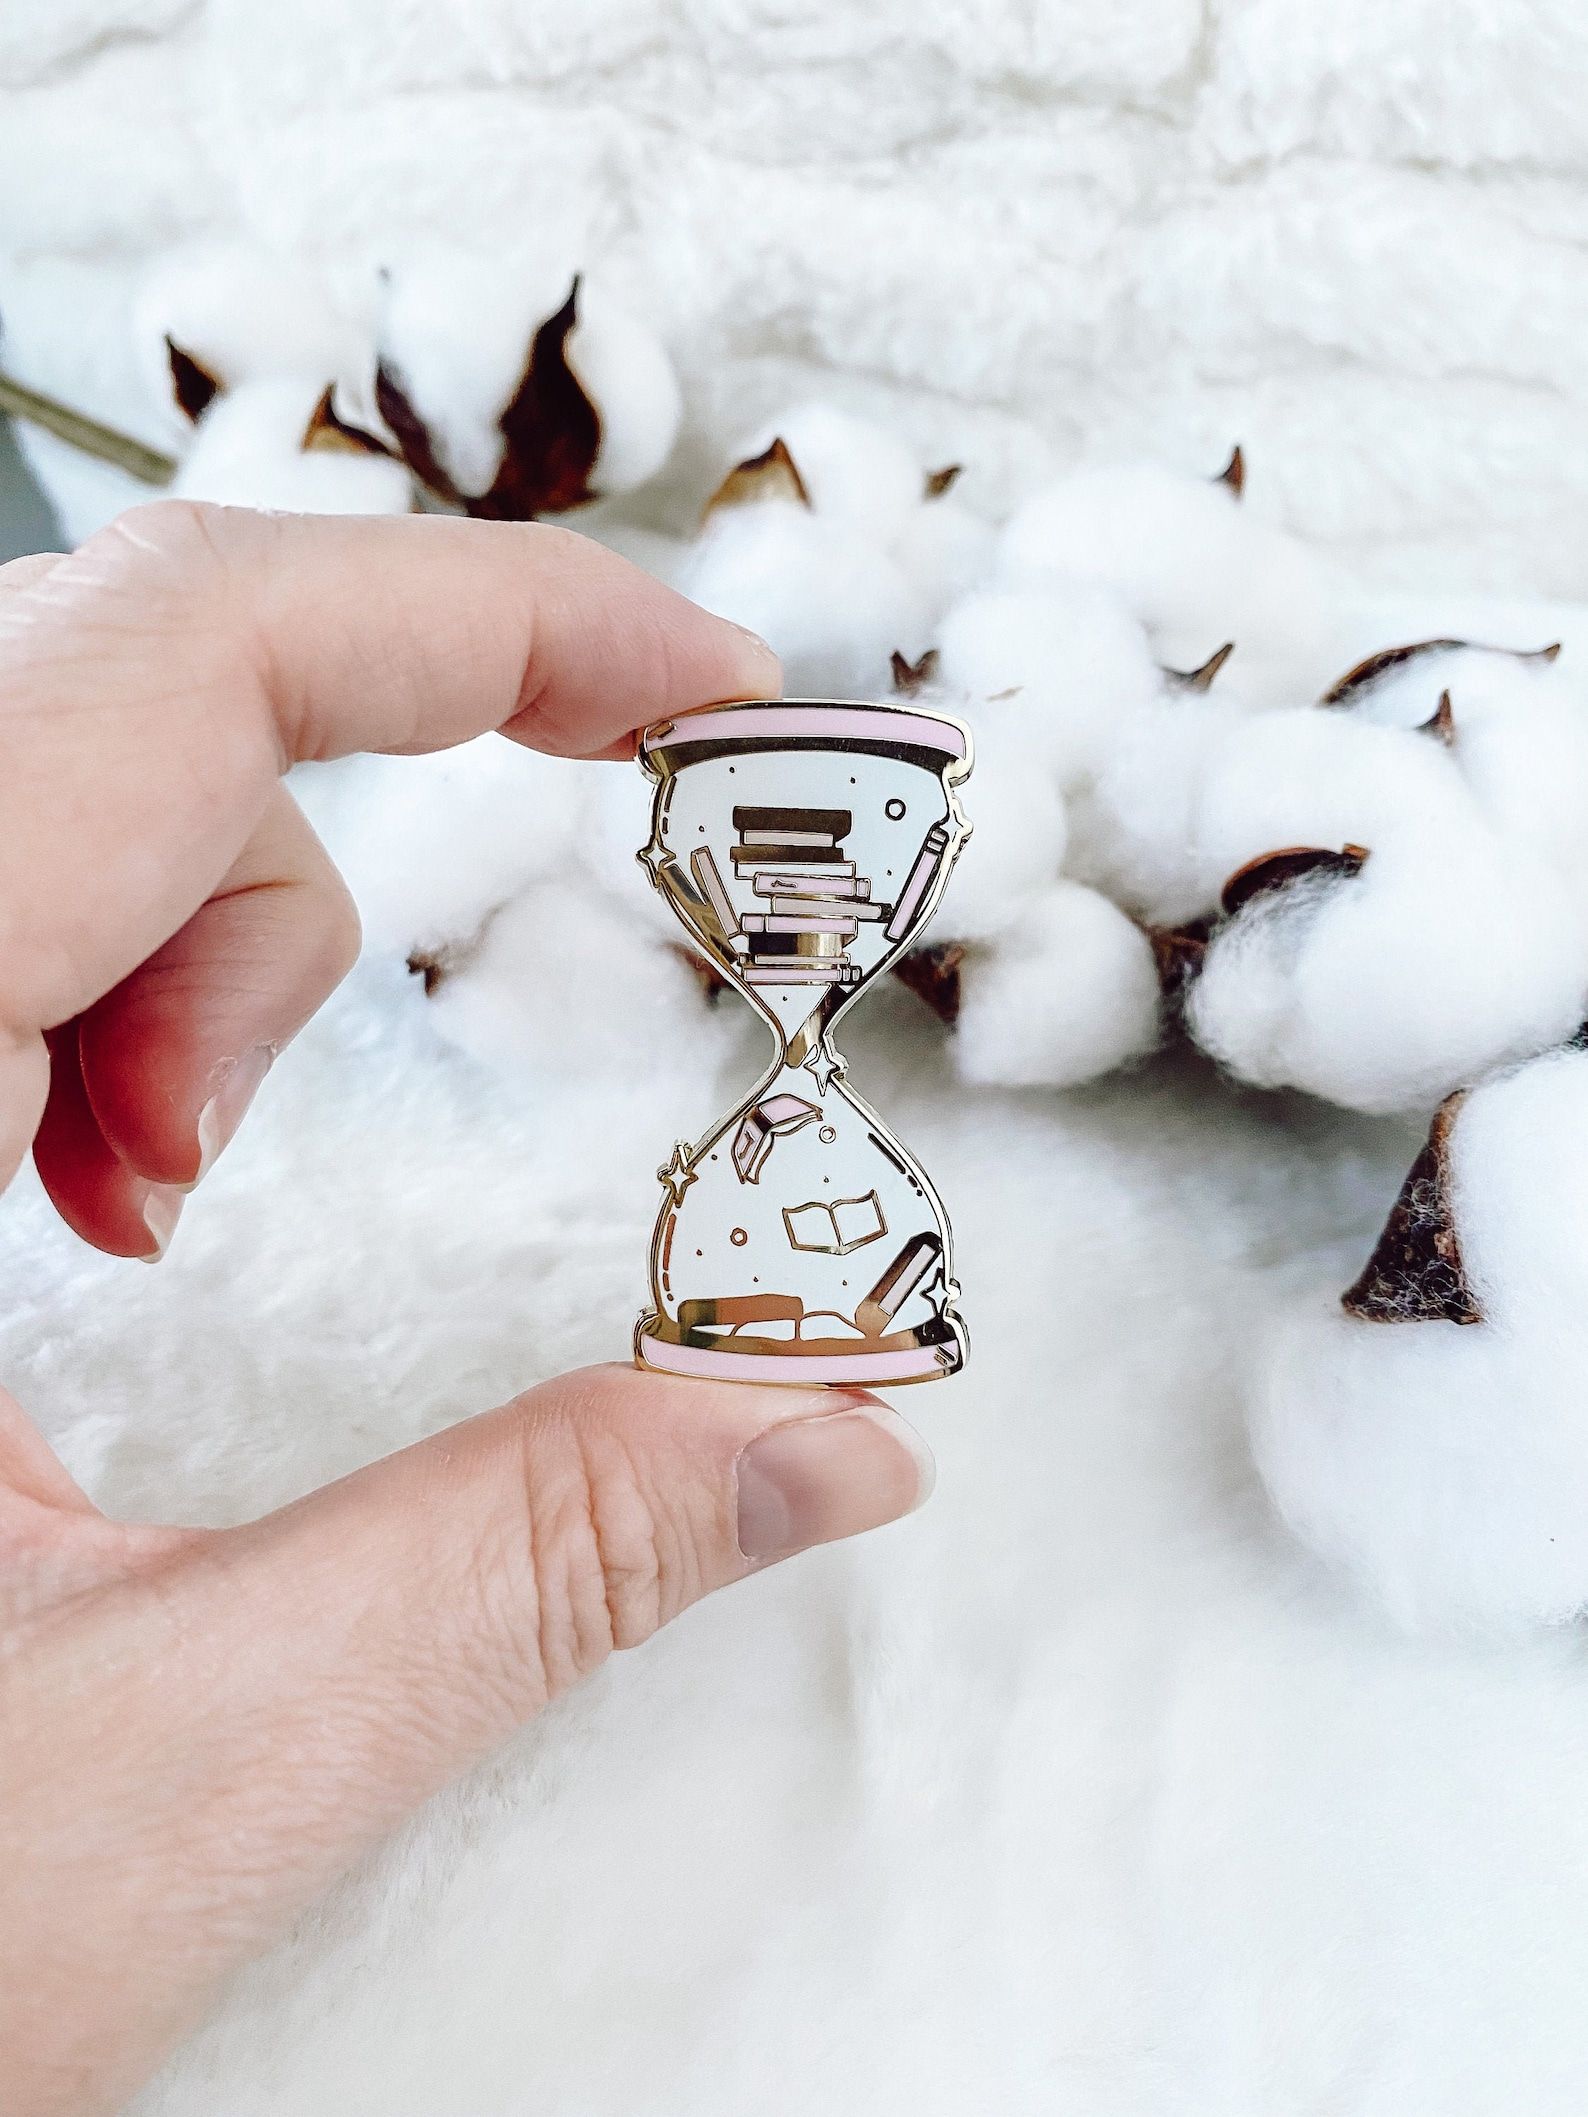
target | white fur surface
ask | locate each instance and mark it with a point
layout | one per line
(1350, 240)
(1081, 1794)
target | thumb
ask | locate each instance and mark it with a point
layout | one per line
(257, 1706)
(368, 1643)
(484, 1571)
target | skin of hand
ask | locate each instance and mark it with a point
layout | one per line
(200, 1730)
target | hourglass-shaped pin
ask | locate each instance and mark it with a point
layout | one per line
(804, 845)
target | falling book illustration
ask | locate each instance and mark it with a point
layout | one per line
(804, 844)
(752, 1143)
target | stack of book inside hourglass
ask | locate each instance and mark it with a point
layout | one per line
(814, 900)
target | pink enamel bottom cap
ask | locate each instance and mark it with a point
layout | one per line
(798, 1370)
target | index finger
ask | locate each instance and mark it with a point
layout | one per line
(156, 683)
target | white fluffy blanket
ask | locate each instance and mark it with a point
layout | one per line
(1078, 1792)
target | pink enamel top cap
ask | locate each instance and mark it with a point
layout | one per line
(821, 720)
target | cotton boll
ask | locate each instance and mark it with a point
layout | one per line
(1195, 788)
(943, 548)
(1515, 727)
(1066, 662)
(563, 985)
(852, 469)
(248, 451)
(243, 314)
(831, 602)
(1134, 827)
(1017, 850)
(458, 331)
(859, 473)
(1520, 742)
(1196, 566)
(1400, 686)
(239, 347)
(1383, 617)
(1444, 1467)
(455, 329)
(1387, 989)
(628, 374)
(432, 846)
(1069, 992)
(1433, 1466)
(615, 824)
(1310, 777)
(1157, 538)
(1520, 1147)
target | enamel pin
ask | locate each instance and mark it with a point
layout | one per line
(804, 845)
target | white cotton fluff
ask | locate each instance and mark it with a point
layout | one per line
(1444, 1467)
(629, 377)
(1195, 789)
(274, 337)
(1518, 739)
(512, 878)
(563, 984)
(853, 470)
(615, 824)
(1196, 566)
(857, 471)
(1527, 770)
(861, 568)
(1525, 622)
(1063, 662)
(247, 451)
(943, 548)
(1313, 777)
(825, 595)
(431, 847)
(1445, 957)
(456, 329)
(1069, 993)
(1017, 848)
(245, 315)
(1134, 826)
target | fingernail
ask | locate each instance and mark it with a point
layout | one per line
(237, 1084)
(162, 1209)
(810, 1481)
(760, 671)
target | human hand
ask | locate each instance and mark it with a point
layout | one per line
(199, 1730)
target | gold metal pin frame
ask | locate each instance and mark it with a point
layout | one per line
(804, 844)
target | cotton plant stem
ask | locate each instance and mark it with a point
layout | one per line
(151, 466)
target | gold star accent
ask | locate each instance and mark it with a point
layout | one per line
(824, 1066)
(654, 858)
(676, 1174)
